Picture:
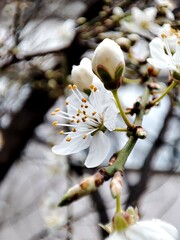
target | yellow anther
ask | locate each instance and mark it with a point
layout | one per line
(57, 110)
(84, 119)
(53, 113)
(84, 100)
(72, 121)
(93, 113)
(84, 136)
(55, 123)
(68, 139)
(73, 129)
(91, 87)
(70, 87)
(61, 132)
(74, 87)
(163, 35)
(95, 89)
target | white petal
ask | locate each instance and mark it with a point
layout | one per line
(167, 227)
(110, 117)
(150, 13)
(159, 57)
(160, 64)
(137, 14)
(98, 150)
(74, 146)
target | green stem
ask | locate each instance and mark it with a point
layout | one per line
(116, 97)
(131, 81)
(118, 204)
(168, 89)
(120, 129)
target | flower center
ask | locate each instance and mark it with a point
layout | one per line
(83, 119)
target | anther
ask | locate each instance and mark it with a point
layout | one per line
(78, 121)
(61, 132)
(70, 87)
(53, 113)
(55, 123)
(163, 35)
(67, 102)
(73, 129)
(84, 136)
(91, 87)
(74, 87)
(68, 139)
(84, 100)
(95, 89)
(57, 110)
(86, 106)
(93, 113)
(84, 119)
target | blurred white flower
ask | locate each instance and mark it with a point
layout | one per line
(82, 75)
(150, 230)
(54, 218)
(162, 56)
(140, 50)
(167, 6)
(142, 22)
(90, 119)
(46, 36)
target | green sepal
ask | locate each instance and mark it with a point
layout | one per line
(103, 74)
(119, 222)
(119, 71)
(176, 75)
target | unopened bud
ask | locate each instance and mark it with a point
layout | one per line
(87, 186)
(116, 185)
(82, 75)
(108, 63)
(141, 133)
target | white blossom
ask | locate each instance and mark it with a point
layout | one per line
(147, 230)
(142, 22)
(90, 118)
(162, 56)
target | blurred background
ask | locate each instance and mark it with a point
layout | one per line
(40, 41)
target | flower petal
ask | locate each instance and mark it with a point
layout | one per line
(98, 150)
(75, 145)
(159, 58)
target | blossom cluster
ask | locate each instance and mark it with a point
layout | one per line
(94, 108)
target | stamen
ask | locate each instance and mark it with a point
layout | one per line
(70, 87)
(61, 132)
(84, 136)
(57, 110)
(73, 130)
(68, 139)
(53, 113)
(55, 123)
(84, 100)
(74, 87)
(163, 35)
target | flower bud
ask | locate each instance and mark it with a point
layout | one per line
(116, 184)
(87, 186)
(82, 75)
(108, 63)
